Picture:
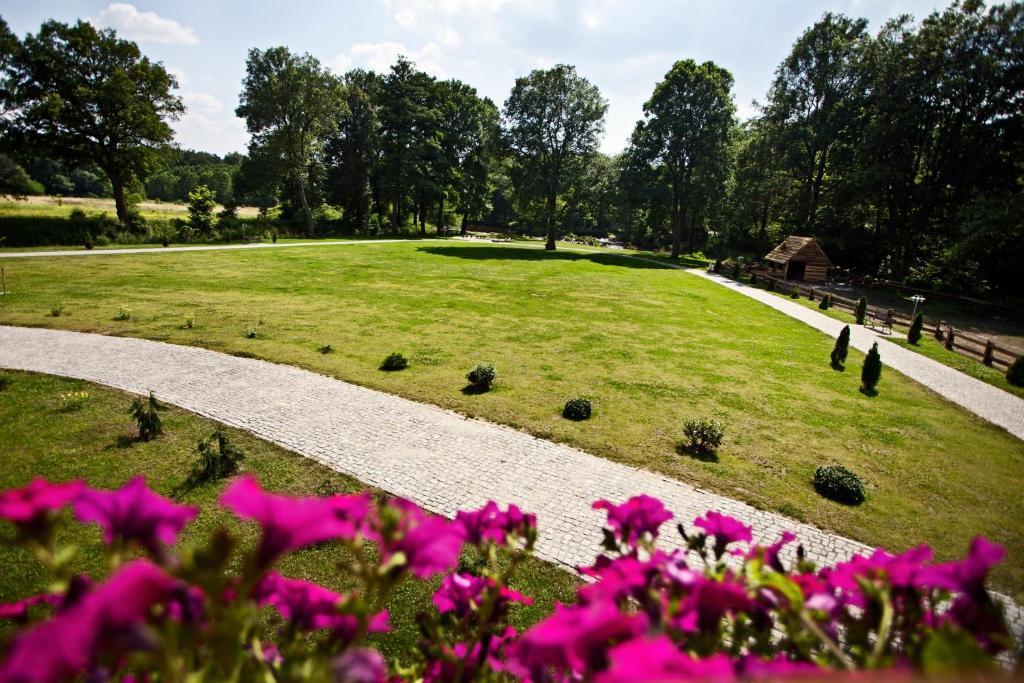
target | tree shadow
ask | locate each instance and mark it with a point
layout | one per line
(476, 252)
(696, 453)
(870, 393)
(123, 441)
(474, 390)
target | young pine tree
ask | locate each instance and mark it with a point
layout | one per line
(1015, 373)
(826, 302)
(872, 370)
(861, 311)
(842, 347)
(914, 333)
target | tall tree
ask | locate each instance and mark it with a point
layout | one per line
(685, 136)
(84, 95)
(354, 153)
(553, 119)
(290, 104)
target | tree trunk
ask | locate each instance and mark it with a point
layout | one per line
(120, 201)
(819, 177)
(440, 215)
(693, 225)
(310, 232)
(465, 223)
(677, 217)
(549, 217)
(422, 211)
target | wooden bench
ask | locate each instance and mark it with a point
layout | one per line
(251, 239)
(881, 323)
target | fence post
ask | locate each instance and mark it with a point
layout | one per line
(949, 337)
(989, 350)
(938, 329)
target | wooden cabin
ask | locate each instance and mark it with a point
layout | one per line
(798, 258)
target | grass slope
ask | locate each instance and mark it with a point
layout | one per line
(93, 443)
(651, 346)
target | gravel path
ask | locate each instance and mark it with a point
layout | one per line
(437, 458)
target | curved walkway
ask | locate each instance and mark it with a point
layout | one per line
(434, 457)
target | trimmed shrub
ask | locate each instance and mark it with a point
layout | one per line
(253, 329)
(914, 333)
(837, 483)
(794, 293)
(123, 313)
(703, 435)
(394, 362)
(190, 321)
(218, 458)
(57, 309)
(146, 416)
(577, 408)
(325, 349)
(842, 347)
(872, 370)
(482, 376)
(1015, 373)
(735, 270)
(826, 302)
(861, 310)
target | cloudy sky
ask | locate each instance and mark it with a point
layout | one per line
(624, 46)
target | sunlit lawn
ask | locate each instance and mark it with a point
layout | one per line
(651, 346)
(92, 443)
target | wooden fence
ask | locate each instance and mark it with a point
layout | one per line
(983, 350)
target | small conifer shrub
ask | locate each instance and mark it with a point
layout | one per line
(837, 483)
(1015, 373)
(577, 408)
(826, 302)
(147, 417)
(218, 458)
(394, 362)
(914, 333)
(861, 310)
(872, 370)
(842, 347)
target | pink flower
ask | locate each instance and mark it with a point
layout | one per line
(620, 578)
(656, 660)
(780, 668)
(724, 528)
(462, 593)
(771, 552)
(310, 606)
(65, 645)
(29, 504)
(969, 574)
(290, 523)
(575, 638)
(708, 600)
(489, 523)
(360, 665)
(637, 516)
(429, 545)
(134, 513)
(18, 611)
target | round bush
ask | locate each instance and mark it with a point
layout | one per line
(837, 483)
(482, 376)
(703, 435)
(577, 408)
(394, 362)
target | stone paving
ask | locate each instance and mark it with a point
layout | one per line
(441, 460)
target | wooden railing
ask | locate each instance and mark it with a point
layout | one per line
(964, 343)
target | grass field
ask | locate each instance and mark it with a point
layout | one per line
(92, 443)
(651, 346)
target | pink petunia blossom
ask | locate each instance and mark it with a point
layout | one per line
(754, 668)
(290, 523)
(657, 660)
(725, 529)
(708, 600)
(620, 578)
(64, 646)
(310, 606)
(575, 638)
(489, 523)
(462, 593)
(429, 545)
(637, 516)
(134, 513)
(18, 611)
(30, 503)
(771, 552)
(360, 665)
(967, 575)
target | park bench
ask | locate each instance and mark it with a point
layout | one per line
(882, 323)
(251, 239)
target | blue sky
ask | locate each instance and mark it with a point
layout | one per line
(624, 46)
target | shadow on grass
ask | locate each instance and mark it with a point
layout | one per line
(474, 390)
(485, 253)
(696, 453)
(838, 367)
(123, 441)
(870, 393)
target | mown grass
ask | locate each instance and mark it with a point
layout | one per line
(927, 346)
(651, 346)
(94, 443)
(61, 207)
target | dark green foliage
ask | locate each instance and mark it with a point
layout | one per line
(325, 349)
(842, 347)
(736, 270)
(703, 435)
(218, 458)
(482, 376)
(393, 362)
(837, 483)
(861, 310)
(577, 408)
(826, 302)
(5, 381)
(201, 201)
(794, 293)
(872, 370)
(1015, 373)
(914, 333)
(146, 416)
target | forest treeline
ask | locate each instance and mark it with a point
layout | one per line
(902, 149)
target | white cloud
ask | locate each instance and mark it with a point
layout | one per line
(380, 56)
(201, 100)
(145, 27)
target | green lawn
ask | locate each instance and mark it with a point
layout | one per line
(652, 346)
(91, 443)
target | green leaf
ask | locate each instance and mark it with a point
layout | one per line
(949, 650)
